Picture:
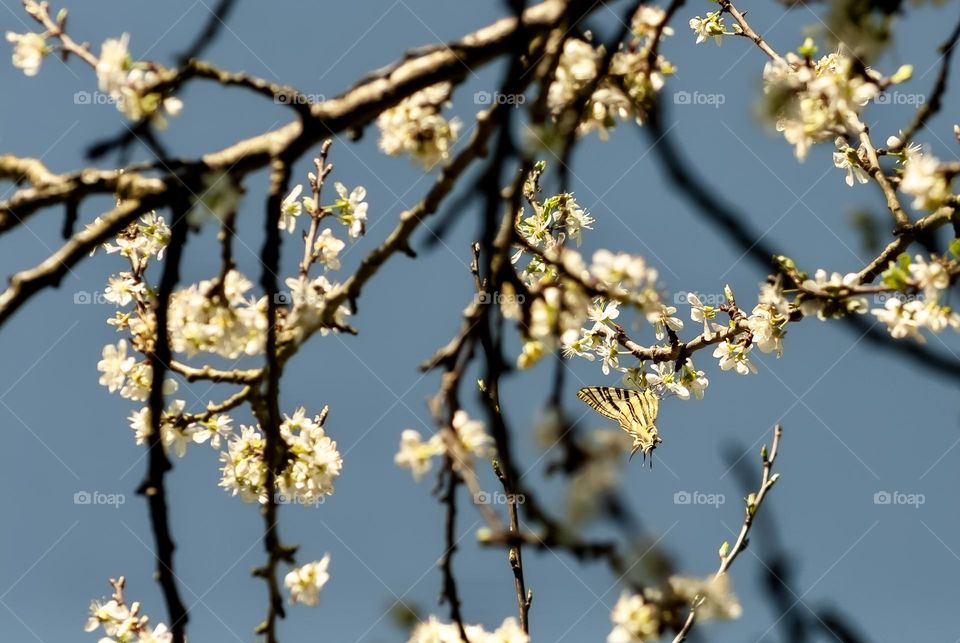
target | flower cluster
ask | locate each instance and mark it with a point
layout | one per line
(131, 83)
(435, 631)
(416, 127)
(627, 86)
(920, 290)
(924, 180)
(218, 317)
(29, 50)
(122, 372)
(471, 441)
(818, 101)
(308, 474)
(712, 26)
(645, 617)
(350, 209)
(306, 581)
(122, 623)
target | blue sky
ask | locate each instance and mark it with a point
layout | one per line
(857, 420)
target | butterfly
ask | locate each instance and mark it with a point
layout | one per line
(636, 411)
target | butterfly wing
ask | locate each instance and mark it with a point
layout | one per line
(635, 411)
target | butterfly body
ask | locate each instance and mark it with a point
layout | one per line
(635, 411)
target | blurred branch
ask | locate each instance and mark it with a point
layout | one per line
(158, 464)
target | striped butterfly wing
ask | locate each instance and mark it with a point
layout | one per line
(635, 411)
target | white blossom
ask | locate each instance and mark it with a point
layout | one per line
(417, 455)
(735, 356)
(290, 209)
(635, 620)
(416, 127)
(306, 581)
(923, 180)
(327, 249)
(29, 49)
(351, 209)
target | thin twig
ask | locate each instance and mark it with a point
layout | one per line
(754, 500)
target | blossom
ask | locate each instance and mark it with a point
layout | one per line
(435, 631)
(815, 101)
(718, 600)
(711, 26)
(415, 127)
(923, 180)
(603, 312)
(472, 435)
(308, 474)
(621, 269)
(830, 297)
(213, 429)
(932, 277)
(846, 158)
(115, 365)
(415, 454)
(230, 325)
(766, 328)
(290, 209)
(122, 289)
(635, 620)
(663, 375)
(129, 84)
(664, 322)
(609, 352)
(327, 249)
(123, 624)
(351, 208)
(701, 313)
(902, 319)
(306, 581)
(29, 50)
(735, 356)
(113, 65)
